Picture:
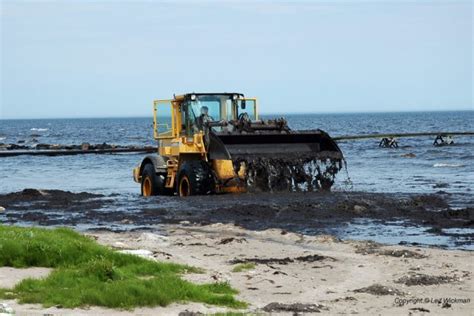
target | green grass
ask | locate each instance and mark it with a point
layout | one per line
(243, 267)
(86, 273)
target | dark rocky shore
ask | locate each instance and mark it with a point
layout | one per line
(310, 213)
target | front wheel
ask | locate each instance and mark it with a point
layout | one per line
(194, 178)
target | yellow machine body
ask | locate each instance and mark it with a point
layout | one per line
(177, 146)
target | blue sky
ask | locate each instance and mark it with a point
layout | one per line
(112, 58)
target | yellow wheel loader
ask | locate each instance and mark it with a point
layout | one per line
(216, 143)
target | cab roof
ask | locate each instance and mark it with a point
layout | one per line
(187, 96)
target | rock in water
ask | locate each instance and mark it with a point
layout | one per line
(85, 146)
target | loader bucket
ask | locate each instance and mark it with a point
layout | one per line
(313, 144)
(281, 160)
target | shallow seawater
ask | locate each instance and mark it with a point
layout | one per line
(398, 233)
(369, 168)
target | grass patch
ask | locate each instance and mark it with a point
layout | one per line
(243, 267)
(86, 273)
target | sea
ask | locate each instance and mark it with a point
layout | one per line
(416, 166)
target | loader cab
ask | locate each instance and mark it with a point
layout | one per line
(197, 109)
(184, 114)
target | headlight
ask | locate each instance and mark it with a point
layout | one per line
(193, 97)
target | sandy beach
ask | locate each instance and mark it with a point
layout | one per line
(295, 273)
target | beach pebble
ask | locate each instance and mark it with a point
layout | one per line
(221, 277)
(147, 240)
(119, 244)
(6, 310)
(152, 237)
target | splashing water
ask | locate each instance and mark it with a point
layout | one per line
(300, 174)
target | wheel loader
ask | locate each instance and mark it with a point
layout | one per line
(217, 143)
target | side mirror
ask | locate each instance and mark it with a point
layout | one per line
(242, 105)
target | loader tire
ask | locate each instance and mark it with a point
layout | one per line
(152, 183)
(194, 178)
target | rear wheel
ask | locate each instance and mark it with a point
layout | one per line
(194, 178)
(153, 183)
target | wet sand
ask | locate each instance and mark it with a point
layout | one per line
(297, 273)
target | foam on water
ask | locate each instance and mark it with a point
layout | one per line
(448, 165)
